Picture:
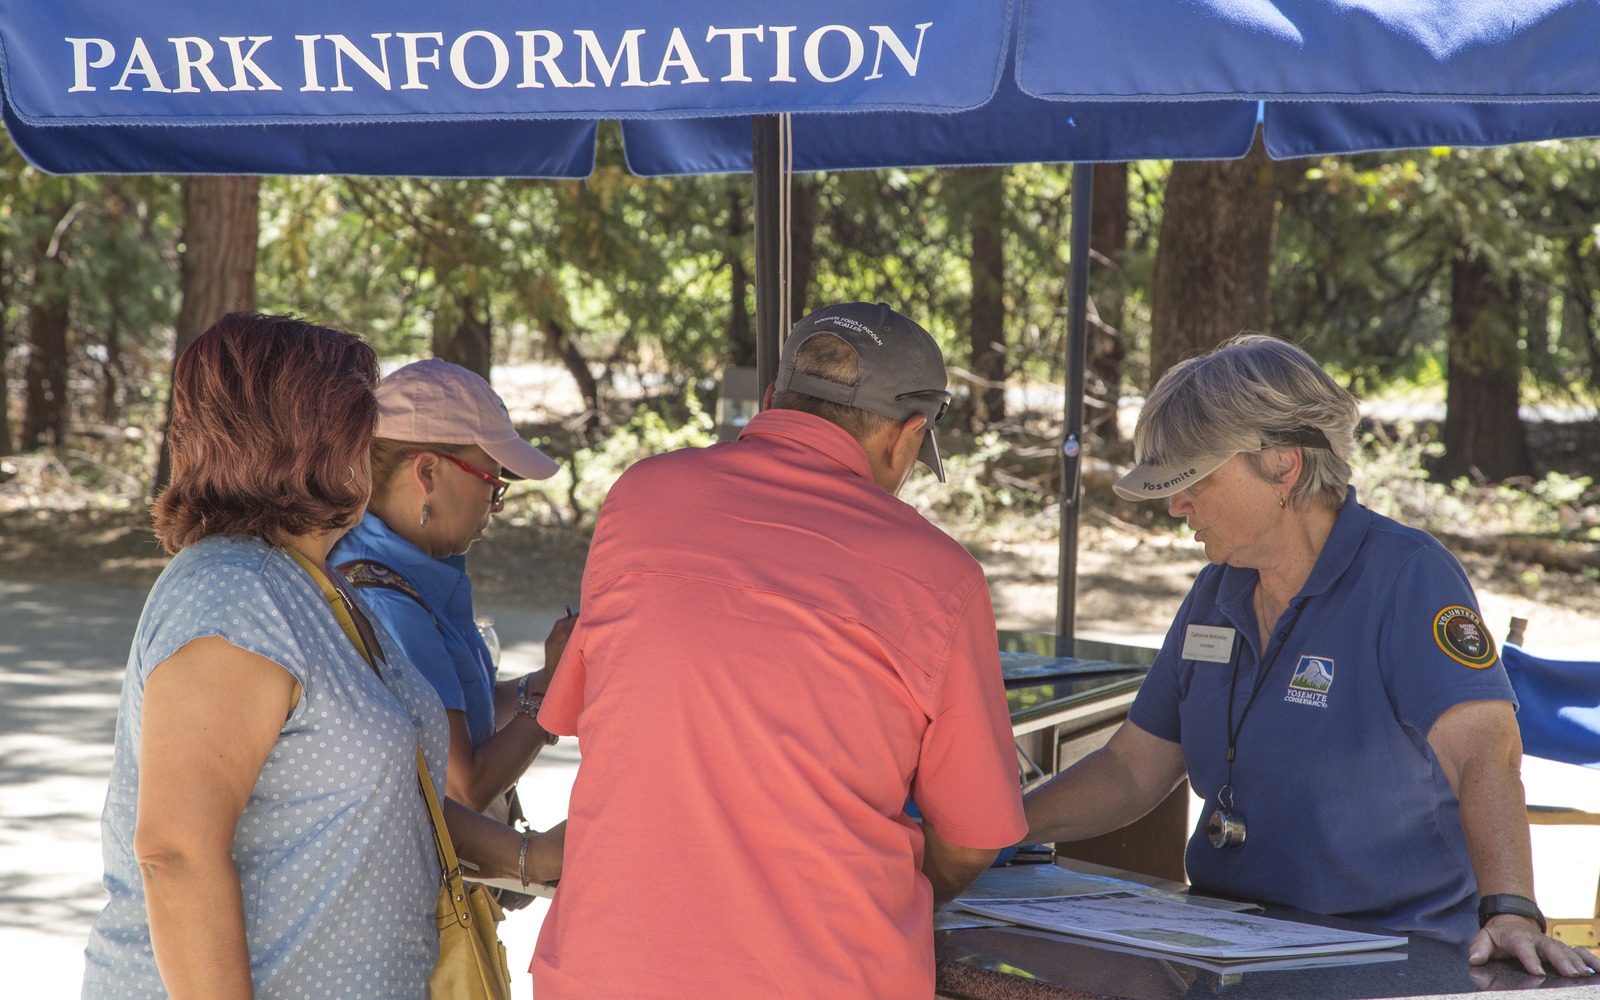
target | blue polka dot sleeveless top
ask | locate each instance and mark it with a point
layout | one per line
(334, 850)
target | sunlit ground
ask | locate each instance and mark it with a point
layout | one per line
(60, 674)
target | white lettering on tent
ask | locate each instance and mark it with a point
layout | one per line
(344, 48)
(908, 61)
(678, 56)
(140, 64)
(415, 58)
(483, 59)
(82, 64)
(458, 60)
(244, 63)
(628, 49)
(780, 36)
(532, 58)
(736, 39)
(813, 52)
(194, 56)
(308, 54)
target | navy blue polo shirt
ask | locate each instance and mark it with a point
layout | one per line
(1346, 808)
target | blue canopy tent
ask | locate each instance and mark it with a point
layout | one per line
(493, 88)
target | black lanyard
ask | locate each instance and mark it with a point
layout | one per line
(1261, 680)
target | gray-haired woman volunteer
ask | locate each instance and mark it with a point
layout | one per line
(1327, 686)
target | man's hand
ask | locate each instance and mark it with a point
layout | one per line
(1507, 935)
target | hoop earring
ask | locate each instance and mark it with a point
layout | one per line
(425, 513)
(352, 479)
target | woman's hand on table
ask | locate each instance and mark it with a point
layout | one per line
(1510, 936)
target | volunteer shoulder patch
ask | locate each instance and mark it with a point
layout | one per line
(1461, 634)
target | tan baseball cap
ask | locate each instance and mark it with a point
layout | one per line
(435, 401)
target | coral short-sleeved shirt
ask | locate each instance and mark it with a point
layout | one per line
(773, 653)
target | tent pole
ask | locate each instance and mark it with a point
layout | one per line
(1072, 424)
(766, 166)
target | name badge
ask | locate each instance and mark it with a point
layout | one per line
(1209, 643)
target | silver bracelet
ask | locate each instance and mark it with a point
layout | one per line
(522, 862)
(529, 705)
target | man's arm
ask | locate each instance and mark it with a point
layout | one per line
(1480, 751)
(1106, 790)
(951, 867)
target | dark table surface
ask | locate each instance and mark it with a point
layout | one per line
(1006, 962)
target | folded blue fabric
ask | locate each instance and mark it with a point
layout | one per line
(1558, 706)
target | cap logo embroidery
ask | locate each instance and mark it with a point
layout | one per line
(1174, 481)
(1462, 635)
(855, 326)
(1313, 676)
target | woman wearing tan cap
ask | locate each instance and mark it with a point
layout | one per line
(1327, 686)
(445, 447)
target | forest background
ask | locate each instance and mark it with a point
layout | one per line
(1461, 288)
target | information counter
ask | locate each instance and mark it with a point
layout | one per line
(1015, 963)
(1066, 699)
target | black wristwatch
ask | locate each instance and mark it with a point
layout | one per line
(1505, 902)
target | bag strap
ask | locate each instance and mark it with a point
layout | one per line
(449, 865)
(340, 604)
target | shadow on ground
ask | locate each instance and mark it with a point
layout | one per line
(62, 650)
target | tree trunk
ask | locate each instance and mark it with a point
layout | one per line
(565, 348)
(221, 226)
(805, 207)
(741, 335)
(6, 446)
(986, 332)
(1483, 436)
(1213, 258)
(44, 420)
(462, 335)
(1108, 245)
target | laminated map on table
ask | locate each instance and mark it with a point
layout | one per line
(1165, 925)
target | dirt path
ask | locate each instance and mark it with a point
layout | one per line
(1130, 579)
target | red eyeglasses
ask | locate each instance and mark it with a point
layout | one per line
(500, 485)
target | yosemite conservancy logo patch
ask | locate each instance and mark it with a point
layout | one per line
(1461, 634)
(1313, 676)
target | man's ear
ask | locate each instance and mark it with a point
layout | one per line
(766, 397)
(908, 440)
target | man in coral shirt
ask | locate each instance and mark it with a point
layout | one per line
(774, 653)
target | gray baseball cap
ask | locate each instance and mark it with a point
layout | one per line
(900, 369)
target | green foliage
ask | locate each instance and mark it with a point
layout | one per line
(1391, 478)
(1365, 248)
(573, 495)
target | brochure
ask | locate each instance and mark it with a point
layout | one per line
(1167, 926)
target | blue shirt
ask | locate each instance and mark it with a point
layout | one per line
(1346, 808)
(437, 632)
(334, 849)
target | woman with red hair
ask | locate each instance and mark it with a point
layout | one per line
(264, 833)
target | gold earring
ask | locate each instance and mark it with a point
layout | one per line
(1283, 502)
